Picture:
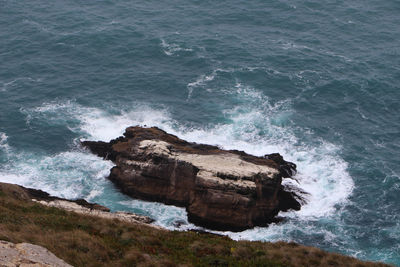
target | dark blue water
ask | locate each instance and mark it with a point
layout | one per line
(317, 81)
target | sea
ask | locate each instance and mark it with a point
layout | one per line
(317, 81)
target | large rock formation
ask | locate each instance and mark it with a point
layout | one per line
(221, 189)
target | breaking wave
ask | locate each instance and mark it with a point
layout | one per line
(257, 126)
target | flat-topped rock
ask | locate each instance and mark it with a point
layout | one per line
(221, 189)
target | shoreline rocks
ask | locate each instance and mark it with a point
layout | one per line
(220, 189)
(80, 206)
(74, 207)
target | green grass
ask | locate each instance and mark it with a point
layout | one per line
(89, 241)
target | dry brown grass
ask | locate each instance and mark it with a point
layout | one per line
(89, 241)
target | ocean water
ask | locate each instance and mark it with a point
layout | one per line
(317, 81)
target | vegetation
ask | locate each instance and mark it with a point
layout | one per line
(88, 241)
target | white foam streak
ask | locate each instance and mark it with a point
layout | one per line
(171, 48)
(3, 142)
(201, 81)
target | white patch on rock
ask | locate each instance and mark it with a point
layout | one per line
(155, 147)
(228, 164)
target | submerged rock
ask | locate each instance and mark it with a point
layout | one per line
(221, 189)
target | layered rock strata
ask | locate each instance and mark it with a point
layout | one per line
(221, 189)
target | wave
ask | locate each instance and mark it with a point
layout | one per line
(256, 126)
(93, 123)
(71, 174)
(259, 127)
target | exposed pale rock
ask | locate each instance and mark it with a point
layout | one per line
(228, 163)
(25, 254)
(74, 207)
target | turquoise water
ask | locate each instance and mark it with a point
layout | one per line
(317, 81)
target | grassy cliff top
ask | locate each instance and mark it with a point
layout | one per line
(89, 241)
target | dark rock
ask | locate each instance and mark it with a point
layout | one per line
(288, 200)
(178, 223)
(287, 169)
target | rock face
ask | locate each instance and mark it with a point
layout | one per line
(221, 189)
(25, 254)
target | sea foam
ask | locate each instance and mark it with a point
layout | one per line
(3, 142)
(72, 174)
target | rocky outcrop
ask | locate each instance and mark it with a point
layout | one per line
(80, 206)
(25, 254)
(74, 207)
(221, 189)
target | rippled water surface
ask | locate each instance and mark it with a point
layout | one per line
(317, 81)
